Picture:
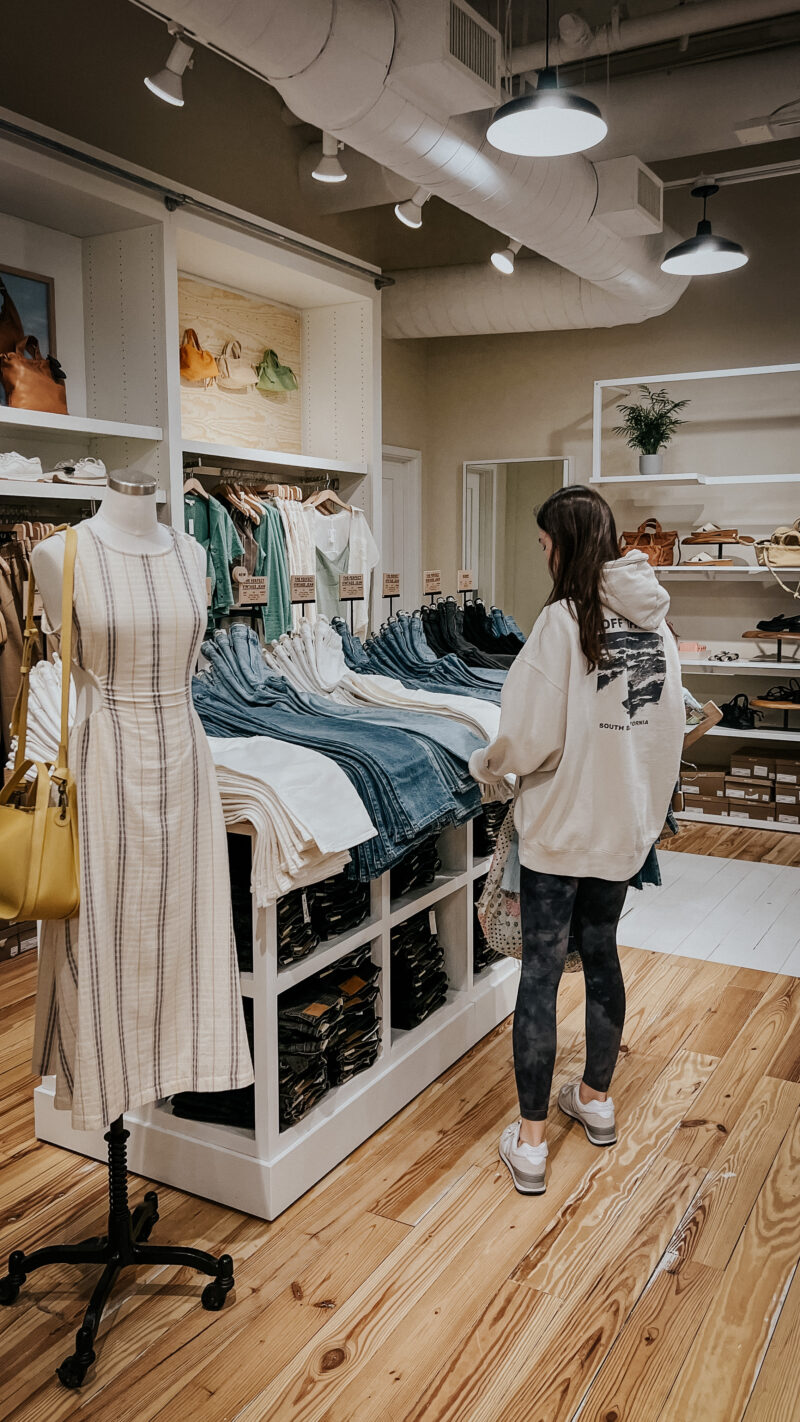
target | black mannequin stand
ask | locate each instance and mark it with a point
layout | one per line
(123, 1246)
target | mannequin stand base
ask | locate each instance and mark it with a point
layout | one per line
(123, 1246)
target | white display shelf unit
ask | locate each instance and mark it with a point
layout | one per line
(758, 734)
(703, 666)
(705, 478)
(684, 572)
(262, 1171)
(115, 252)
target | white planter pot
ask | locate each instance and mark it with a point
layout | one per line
(651, 463)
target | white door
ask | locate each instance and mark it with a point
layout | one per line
(401, 523)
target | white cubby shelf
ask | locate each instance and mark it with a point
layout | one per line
(45, 492)
(759, 734)
(263, 1170)
(45, 425)
(684, 572)
(704, 667)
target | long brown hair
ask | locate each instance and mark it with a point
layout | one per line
(585, 538)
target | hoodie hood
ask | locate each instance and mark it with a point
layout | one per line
(630, 588)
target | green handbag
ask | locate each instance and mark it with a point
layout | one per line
(274, 376)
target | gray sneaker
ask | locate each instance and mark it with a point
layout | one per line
(526, 1163)
(597, 1117)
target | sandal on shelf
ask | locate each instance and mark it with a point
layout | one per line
(707, 560)
(781, 623)
(790, 692)
(709, 533)
(724, 657)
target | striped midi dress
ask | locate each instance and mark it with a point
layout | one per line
(138, 995)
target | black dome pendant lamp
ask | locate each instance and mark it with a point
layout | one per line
(548, 122)
(705, 253)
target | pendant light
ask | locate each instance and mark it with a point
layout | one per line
(705, 253)
(410, 211)
(167, 84)
(548, 122)
(328, 169)
(504, 260)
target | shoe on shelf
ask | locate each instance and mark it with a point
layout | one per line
(16, 466)
(596, 1117)
(781, 623)
(709, 533)
(709, 561)
(526, 1163)
(80, 471)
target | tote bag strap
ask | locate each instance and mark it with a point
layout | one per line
(19, 717)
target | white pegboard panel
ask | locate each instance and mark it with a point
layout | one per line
(124, 326)
(337, 363)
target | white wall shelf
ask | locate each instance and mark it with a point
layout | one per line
(705, 667)
(34, 492)
(46, 425)
(759, 734)
(228, 454)
(684, 573)
(263, 1171)
(772, 827)
(746, 481)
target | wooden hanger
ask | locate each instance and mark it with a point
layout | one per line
(326, 496)
(193, 486)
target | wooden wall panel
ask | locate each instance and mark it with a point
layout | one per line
(242, 418)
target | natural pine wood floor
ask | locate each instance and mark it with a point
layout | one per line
(654, 1282)
(736, 842)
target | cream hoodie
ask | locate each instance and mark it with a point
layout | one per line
(596, 753)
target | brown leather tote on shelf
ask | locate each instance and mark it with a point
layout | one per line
(33, 381)
(196, 364)
(10, 324)
(651, 539)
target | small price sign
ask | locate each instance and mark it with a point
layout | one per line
(432, 582)
(250, 591)
(391, 585)
(303, 587)
(208, 592)
(466, 581)
(351, 586)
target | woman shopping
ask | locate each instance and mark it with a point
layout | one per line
(591, 724)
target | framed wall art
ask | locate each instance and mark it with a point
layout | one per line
(27, 302)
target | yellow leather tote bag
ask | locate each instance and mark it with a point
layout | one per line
(39, 855)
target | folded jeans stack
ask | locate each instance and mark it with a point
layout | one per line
(419, 867)
(338, 905)
(328, 1031)
(486, 828)
(419, 979)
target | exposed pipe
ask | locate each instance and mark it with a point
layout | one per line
(698, 18)
(332, 61)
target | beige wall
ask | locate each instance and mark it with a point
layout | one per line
(523, 395)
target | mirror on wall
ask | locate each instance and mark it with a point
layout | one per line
(500, 537)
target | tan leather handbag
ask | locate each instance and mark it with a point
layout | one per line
(235, 374)
(196, 364)
(651, 539)
(10, 324)
(39, 850)
(33, 381)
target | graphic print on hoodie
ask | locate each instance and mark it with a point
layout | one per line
(638, 659)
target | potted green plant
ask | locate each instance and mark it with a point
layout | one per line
(650, 425)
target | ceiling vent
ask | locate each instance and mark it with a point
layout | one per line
(448, 57)
(629, 198)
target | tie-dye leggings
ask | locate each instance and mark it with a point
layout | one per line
(550, 903)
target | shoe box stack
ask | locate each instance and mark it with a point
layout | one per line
(753, 788)
(328, 1032)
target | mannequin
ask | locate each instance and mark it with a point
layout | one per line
(126, 522)
(138, 994)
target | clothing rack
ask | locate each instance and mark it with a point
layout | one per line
(312, 481)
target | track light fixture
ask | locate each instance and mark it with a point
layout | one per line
(504, 260)
(704, 253)
(167, 84)
(329, 169)
(548, 122)
(410, 211)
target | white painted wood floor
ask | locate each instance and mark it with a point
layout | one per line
(725, 910)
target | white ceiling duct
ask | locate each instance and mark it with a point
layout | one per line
(479, 301)
(333, 62)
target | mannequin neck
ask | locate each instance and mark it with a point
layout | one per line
(130, 524)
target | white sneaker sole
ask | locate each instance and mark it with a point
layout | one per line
(593, 1139)
(518, 1184)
